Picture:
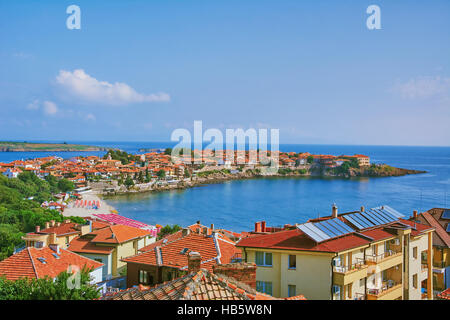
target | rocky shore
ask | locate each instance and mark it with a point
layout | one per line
(111, 188)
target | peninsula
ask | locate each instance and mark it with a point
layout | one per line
(8, 146)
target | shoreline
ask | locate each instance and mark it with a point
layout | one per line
(221, 178)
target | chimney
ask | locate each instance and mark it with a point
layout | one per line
(55, 247)
(334, 211)
(47, 225)
(212, 226)
(38, 229)
(257, 226)
(415, 214)
(243, 272)
(263, 226)
(67, 221)
(205, 230)
(52, 223)
(363, 209)
(198, 221)
(58, 224)
(185, 232)
(194, 260)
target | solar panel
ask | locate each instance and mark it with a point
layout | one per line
(324, 229)
(394, 212)
(354, 222)
(335, 224)
(372, 217)
(331, 227)
(313, 232)
(344, 226)
(387, 216)
(448, 227)
(446, 214)
(379, 216)
(363, 221)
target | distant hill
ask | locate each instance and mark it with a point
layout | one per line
(6, 146)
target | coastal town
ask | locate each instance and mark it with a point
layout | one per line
(366, 254)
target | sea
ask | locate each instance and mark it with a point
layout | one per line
(237, 205)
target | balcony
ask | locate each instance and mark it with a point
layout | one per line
(388, 291)
(384, 261)
(348, 274)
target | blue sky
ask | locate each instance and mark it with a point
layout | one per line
(137, 70)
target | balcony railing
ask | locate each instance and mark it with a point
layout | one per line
(380, 257)
(355, 266)
(386, 286)
(360, 296)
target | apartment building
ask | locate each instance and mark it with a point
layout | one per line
(370, 254)
(110, 245)
(438, 218)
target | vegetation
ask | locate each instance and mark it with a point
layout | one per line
(124, 157)
(168, 229)
(27, 146)
(64, 287)
(310, 159)
(20, 209)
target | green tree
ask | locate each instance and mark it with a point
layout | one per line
(161, 174)
(129, 182)
(63, 287)
(168, 229)
(310, 159)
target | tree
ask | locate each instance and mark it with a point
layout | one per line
(65, 185)
(168, 151)
(310, 159)
(64, 287)
(161, 174)
(168, 229)
(129, 182)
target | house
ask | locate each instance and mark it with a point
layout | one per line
(438, 218)
(12, 172)
(110, 245)
(224, 283)
(168, 258)
(39, 262)
(370, 254)
(60, 233)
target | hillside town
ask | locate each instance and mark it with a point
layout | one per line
(366, 254)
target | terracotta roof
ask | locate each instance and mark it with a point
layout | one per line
(27, 263)
(64, 228)
(297, 240)
(117, 234)
(84, 245)
(213, 249)
(201, 285)
(444, 295)
(439, 230)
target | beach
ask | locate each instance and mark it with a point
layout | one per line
(80, 211)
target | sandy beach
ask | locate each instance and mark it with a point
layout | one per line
(71, 210)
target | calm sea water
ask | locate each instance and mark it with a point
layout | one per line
(238, 204)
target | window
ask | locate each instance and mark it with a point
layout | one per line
(362, 282)
(264, 287)
(292, 290)
(415, 252)
(143, 277)
(263, 259)
(292, 261)
(415, 281)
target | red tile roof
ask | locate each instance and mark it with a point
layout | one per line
(118, 234)
(201, 285)
(444, 295)
(297, 240)
(439, 230)
(213, 249)
(25, 264)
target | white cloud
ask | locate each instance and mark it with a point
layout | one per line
(81, 86)
(424, 87)
(91, 117)
(50, 108)
(33, 105)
